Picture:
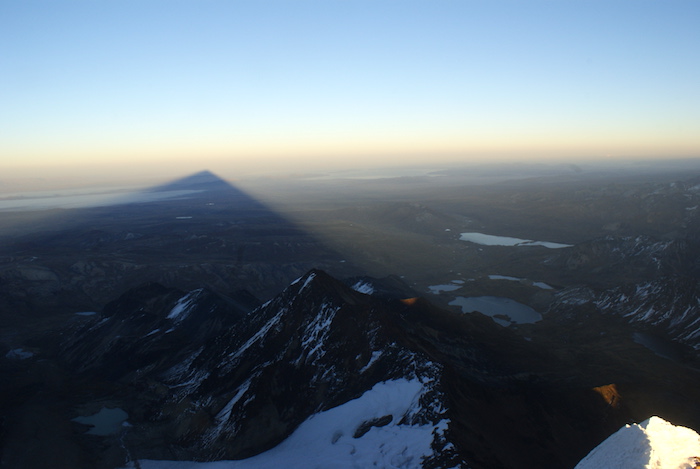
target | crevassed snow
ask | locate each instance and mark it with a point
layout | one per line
(654, 444)
(363, 287)
(326, 440)
(492, 240)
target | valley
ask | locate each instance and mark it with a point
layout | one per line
(201, 335)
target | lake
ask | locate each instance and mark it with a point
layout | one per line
(491, 240)
(502, 310)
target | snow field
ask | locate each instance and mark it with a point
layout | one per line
(326, 440)
(652, 444)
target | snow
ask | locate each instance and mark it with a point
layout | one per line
(297, 280)
(363, 287)
(225, 413)
(542, 285)
(316, 332)
(375, 356)
(308, 281)
(258, 335)
(183, 305)
(326, 439)
(654, 444)
(86, 313)
(491, 240)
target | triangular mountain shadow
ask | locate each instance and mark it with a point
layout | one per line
(198, 186)
(203, 180)
(196, 231)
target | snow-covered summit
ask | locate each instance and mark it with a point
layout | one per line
(654, 444)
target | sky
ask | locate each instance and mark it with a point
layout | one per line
(127, 87)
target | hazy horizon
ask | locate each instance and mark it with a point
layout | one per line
(154, 89)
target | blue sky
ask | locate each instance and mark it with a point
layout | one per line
(252, 86)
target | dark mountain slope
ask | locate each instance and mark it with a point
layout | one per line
(203, 379)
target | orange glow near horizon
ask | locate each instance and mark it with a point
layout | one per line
(307, 155)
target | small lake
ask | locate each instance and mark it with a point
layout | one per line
(661, 346)
(504, 311)
(435, 289)
(541, 285)
(105, 422)
(491, 240)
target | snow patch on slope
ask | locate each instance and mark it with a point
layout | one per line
(327, 439)
(363, 287)
(316, 332)
(183, 305)
(654, 444)
(259, 335)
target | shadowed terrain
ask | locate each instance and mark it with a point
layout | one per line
(616, 342)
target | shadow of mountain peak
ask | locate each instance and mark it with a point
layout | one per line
(203, 180)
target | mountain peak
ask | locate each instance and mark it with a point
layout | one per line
(654, 443)
(202, 180)
(316, 281)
